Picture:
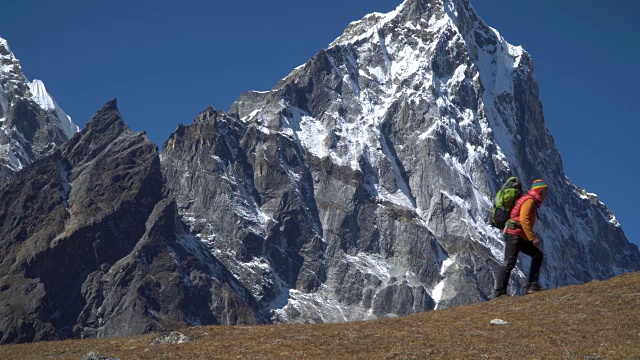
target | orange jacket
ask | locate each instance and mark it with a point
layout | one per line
(524, 213)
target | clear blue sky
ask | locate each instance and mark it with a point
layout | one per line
(166, 61)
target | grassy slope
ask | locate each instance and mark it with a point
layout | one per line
(598, 320)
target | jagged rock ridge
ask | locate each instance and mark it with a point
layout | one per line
(92, 246)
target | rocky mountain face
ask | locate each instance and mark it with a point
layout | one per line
(31, 123)
(359, 187)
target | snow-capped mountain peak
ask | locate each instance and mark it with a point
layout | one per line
(433, 109)
(40, 95)
(31, 122)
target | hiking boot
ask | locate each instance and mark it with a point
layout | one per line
(498, 293)
(535, 287)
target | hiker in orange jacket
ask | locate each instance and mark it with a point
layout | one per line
(519, 236)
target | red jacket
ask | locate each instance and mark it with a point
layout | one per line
(524, 212)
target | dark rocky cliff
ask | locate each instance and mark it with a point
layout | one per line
(92, 246)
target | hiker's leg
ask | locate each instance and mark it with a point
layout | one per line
(511, 249)
(536, 260)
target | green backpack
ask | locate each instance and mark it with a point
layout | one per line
(505, 199)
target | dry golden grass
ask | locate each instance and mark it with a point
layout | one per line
(599, 320)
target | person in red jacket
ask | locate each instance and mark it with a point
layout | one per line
(519, 236)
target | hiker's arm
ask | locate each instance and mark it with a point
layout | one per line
(526, 222)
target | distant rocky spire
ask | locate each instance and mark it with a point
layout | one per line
(33, 124)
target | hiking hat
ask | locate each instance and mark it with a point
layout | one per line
(539, 185)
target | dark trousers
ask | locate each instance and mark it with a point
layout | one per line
(513, 246)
